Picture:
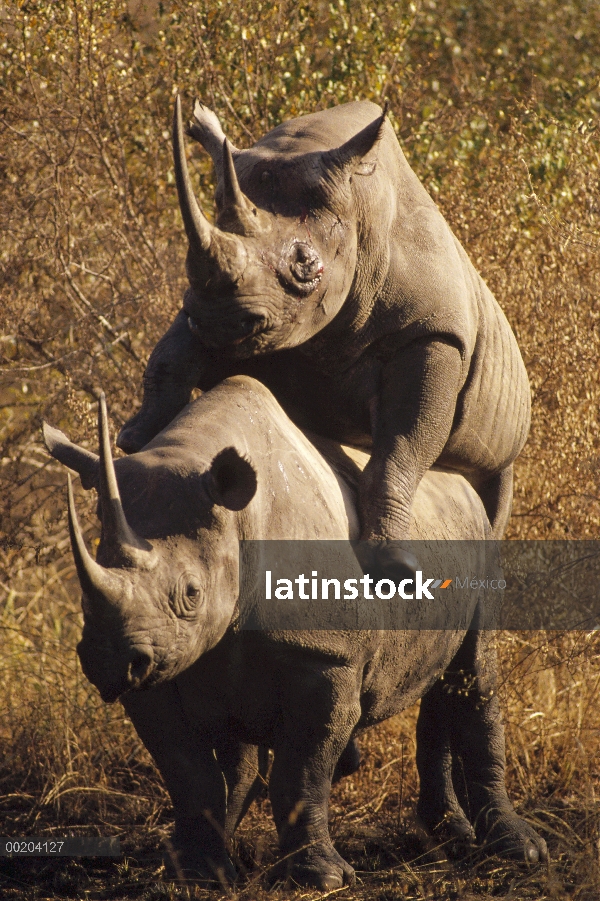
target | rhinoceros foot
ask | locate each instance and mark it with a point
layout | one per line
(133, 437)
(386, 560)
(503, 833)
(451, 830)
(147, 423)
(187, 864)
(318, 866)
(199, 855)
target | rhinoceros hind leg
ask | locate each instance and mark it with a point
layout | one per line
(478, 753)
(245, 769)
(438, 808)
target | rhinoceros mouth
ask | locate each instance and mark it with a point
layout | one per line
(241, 332)
(112, 691)
(111, 694)
(254, 333)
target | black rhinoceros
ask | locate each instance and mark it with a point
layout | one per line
(161, 633)
(333, 278)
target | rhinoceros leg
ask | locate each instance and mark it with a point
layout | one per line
(477, 741)
(193, 779)
(438, 807)
(411, 426)
(172, 372)
(315, 731)
(245, 769)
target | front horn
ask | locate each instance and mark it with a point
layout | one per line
(197, 227)
(214, 252)
(118, 534)
(99, 585)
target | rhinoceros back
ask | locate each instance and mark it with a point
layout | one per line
(319, 131)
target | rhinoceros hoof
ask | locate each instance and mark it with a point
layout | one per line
(386, 560)
(504, 834)
(319, 867)
(453, 827)
(194, 866)
(132, 439)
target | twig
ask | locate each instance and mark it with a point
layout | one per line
(558, 226)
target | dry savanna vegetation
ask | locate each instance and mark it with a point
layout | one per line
(496, 104)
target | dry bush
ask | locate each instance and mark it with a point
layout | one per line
(496, 105)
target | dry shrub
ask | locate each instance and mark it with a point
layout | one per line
(496, 105)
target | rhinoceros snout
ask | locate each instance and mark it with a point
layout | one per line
(113, 672)
(141, 664)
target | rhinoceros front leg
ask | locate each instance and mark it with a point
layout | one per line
(320, 712)
(193, 779)
(474, 722)
(411, 426)
(173, 370)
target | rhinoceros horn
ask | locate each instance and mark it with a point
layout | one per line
(100, 585)
(238, 214)
(129, 549)
(232, 193)
(214, 252)
(197, 227)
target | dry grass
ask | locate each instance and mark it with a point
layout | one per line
(496, 104)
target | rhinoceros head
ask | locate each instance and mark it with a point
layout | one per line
(160, 594)
(280, 260)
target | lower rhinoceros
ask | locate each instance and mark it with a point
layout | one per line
(161, 633)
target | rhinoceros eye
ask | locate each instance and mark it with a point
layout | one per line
(186, 596)
(305, 263)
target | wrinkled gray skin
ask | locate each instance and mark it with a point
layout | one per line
(208, 700)
(332, 277)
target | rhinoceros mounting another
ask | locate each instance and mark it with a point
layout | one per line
(332, 277)
(208, 698)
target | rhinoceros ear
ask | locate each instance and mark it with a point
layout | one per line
(82, 461)
(206, 129)
(348, 158)
(231, 480)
